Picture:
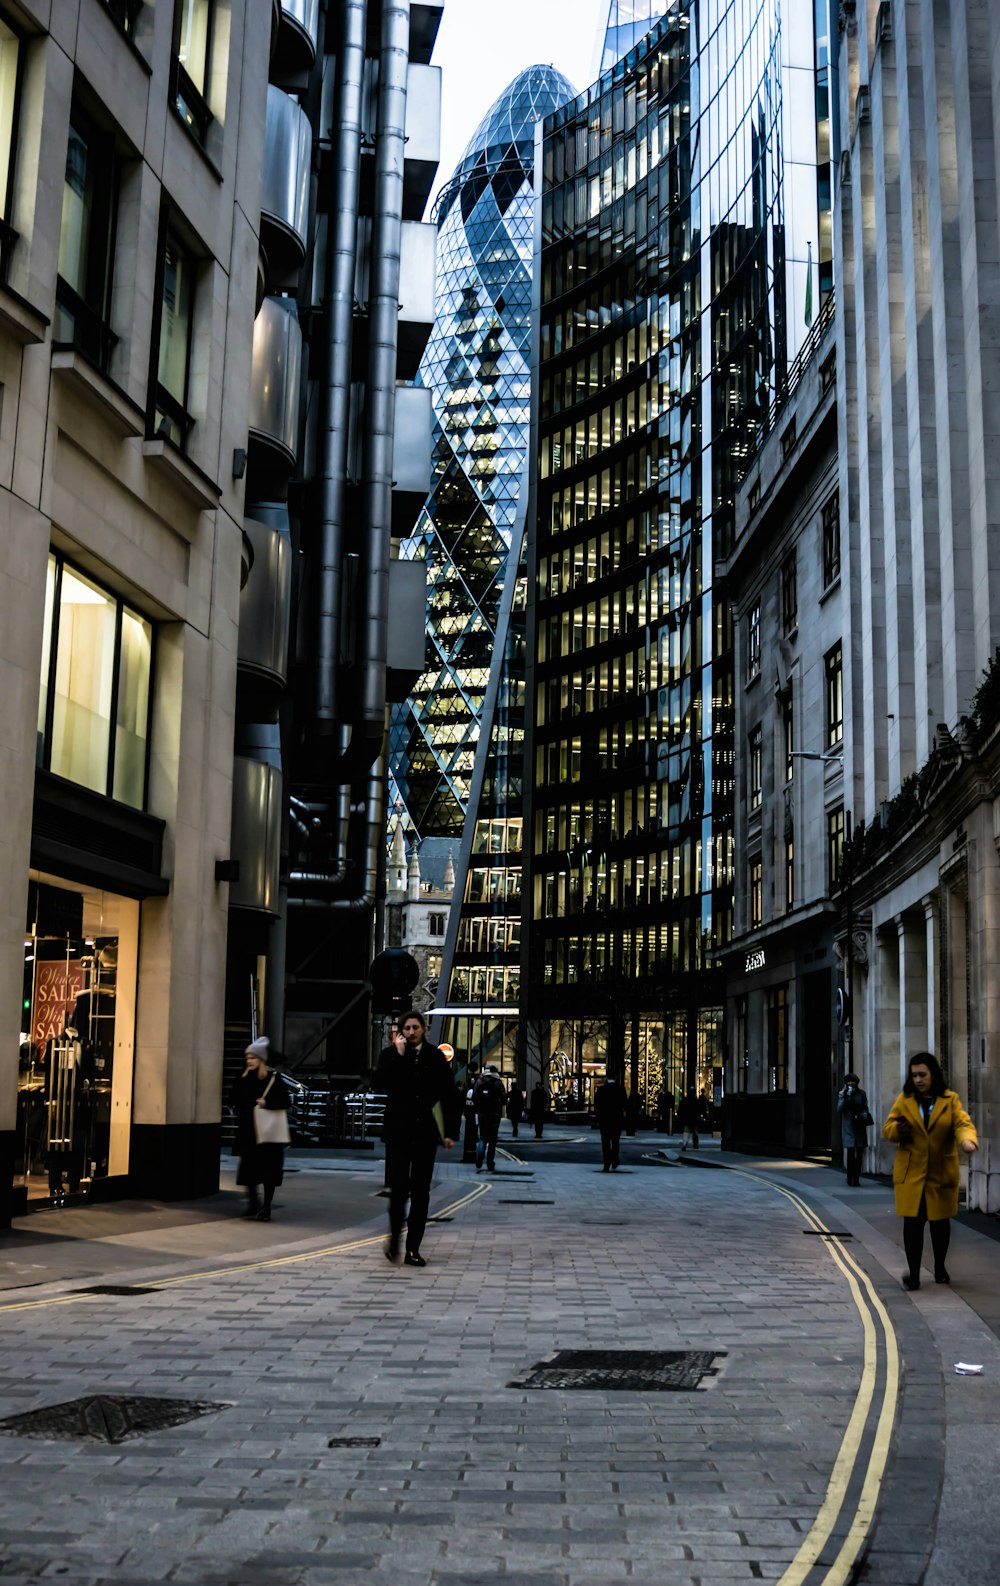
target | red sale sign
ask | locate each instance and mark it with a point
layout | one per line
(57, 986)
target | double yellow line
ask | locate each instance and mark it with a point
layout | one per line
(155, 1283)
(873, 1398)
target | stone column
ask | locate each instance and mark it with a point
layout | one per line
(912, 992)
(931, 929)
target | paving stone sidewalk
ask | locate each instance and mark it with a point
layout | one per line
(475, 1478)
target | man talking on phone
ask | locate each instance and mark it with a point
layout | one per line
(422, 1110)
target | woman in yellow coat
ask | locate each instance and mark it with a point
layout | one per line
(928, 1125)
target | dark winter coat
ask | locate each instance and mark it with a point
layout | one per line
(259, 1164)
(515, 1103)
(539, 1104)
(610, 1104)
(489, 1096)
(853, 1109)
(689, 1112)
(412, 1084)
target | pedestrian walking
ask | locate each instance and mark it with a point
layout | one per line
(610, 1107)
(538, 1107)
(259, 1098)
(471, 1135)
(489, 1099)
(855, 1119)
(689, 1118)
(515, 1107)
(928, 1126)
(422, 1111)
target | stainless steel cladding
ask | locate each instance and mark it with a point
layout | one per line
(256, 834)
(285, 197)
(297, 34)
(277, 363)
(265, 602)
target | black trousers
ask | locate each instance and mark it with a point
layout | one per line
(409, 1170)
(488, 1124)
(610, 1144)
(854, 1154)
(913, 1239)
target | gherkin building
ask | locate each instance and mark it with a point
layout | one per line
(477, 366)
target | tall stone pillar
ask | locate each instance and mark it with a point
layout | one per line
(912, 991)
(931, 951)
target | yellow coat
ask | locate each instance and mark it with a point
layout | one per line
(928, 1163)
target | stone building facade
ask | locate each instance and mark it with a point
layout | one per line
(784, 581)
(916, 247)
(419, 893)
(132, 143)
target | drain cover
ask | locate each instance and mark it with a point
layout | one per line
(119, 1288)
(354, 1442)
(623, 1370)
(106, 1419)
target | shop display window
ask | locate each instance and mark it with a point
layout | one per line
(74, 1102)
(96, 670)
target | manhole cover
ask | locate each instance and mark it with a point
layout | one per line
(106, 1419)
(118, 1288)
(354, 1442)
(623, 1370)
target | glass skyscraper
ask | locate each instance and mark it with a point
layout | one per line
(627, 22)
(478, 367)
(457, 744)
(677, 271)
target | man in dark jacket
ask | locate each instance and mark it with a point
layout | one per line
(489, 1098)
(422, 1109)
(610, 1105)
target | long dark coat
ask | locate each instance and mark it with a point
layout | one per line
(853, 1133)
(259, 1164)
(927, 1163)
(412, 1085)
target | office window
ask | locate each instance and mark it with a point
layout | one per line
(788, 732)
(171, 416)
(10, 94)
(789, 873)
(831, 539)
(834, 697)
(834, 845)
(125, 13)
(777, 1038)
(193, 64)
(756, 767)
(93, 712)
(87, 241)
(789, 594)
(753, 642)
(756, 889)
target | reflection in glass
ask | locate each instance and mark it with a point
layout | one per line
(43, 692)
(175, 341)
(194, 41)
(85, 652)
(132, 714)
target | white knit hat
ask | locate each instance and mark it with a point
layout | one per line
(258, 1048)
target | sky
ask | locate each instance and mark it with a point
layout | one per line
(483, 44)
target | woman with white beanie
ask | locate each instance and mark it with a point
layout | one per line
(260, 1147)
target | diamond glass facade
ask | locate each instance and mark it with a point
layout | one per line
(627, 22)
(478, 367)
(673, 289)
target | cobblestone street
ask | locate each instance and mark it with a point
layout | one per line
(761, 1473)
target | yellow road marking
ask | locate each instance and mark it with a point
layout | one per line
(78, 1295)
(866, 1301)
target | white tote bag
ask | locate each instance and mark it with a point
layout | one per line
(270, 1124)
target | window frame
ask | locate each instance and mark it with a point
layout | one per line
(753, 642)
(755, 758)
(755, 892)
(97, 341)
(186, 98)
(124, 14)
(833, 671)
(8, 236)
(830, 529)
(160, 399)
(836, 836)
(44, 760)
(789, 594)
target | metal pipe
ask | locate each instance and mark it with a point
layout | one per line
(380, 402)
(312, 890)
(339, 275)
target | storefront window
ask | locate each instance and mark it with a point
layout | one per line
(76, 1047)
(96, 668)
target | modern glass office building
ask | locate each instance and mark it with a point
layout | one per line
(627, 22)
(477, 366)
(677, 279)
(457, 743)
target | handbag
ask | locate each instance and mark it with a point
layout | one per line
(270, 1124)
